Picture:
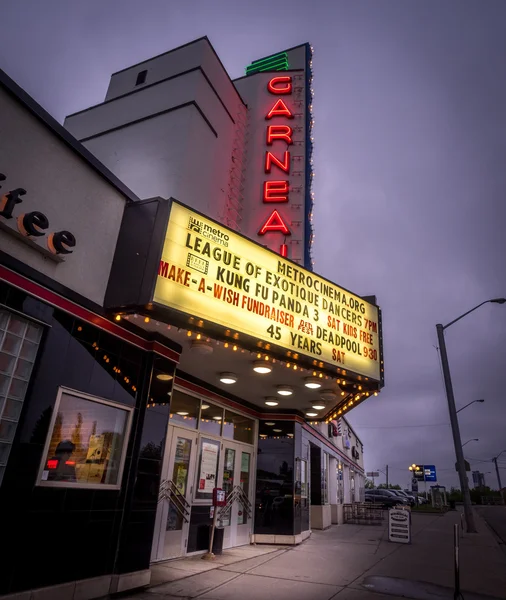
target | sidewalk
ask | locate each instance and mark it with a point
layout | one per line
(349, 562)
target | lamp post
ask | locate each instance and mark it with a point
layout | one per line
(473, 440)
(413, 468)
(464, 483)
(481, 400)
(497, 469)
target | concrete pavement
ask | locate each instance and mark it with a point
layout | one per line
(349, 562)
(495, 516)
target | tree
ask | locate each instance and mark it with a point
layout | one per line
(369, 485)
(41, 426)
(76, 434)
(383, 486)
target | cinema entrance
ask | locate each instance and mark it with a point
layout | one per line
(207, 446)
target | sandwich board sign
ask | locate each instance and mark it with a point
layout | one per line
(399, 525)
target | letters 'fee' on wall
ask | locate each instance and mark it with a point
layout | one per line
(211, 272)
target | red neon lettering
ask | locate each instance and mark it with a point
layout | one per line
(71, 463)
(282, 89)
(280, 109)
(52, 464)
(283, 250)
(274, 223)
(270, 160)
(279, 132)
(275, 191)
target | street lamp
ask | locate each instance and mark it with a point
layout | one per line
(413, 468)
(473, 440)
(481, 400)
(464, 483)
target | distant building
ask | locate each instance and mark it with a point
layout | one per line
(478, 479)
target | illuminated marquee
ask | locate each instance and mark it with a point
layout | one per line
(228, 281)
(277, 191)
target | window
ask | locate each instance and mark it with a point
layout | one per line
(325, 479)
(228, 479)
(303, 479)
(239, 428)
(19, 342)
(175, 519)
(87, 443)
(184, 409)
(211, 418)
(209, 453)
(141, 77)
(242, 517)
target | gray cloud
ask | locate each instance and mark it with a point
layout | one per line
(410, 111)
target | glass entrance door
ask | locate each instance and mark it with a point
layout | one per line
(173, 516)
(237, 482)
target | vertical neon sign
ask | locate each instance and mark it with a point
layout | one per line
(277, 191)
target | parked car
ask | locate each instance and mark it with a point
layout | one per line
(411, 499)
(384, 498)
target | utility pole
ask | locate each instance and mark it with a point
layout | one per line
(464, 483)
(387, 474)
(498, 474)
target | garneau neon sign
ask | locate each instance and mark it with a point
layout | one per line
(277, 191)
(34, 224)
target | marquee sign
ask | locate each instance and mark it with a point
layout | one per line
(209, 271)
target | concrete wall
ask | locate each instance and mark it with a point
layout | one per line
(71, 194)
(347, 433)
(174, 62)
(173, 136)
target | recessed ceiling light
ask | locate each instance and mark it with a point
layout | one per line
(271, 402)
(311, 414)
(164, 377)
(277, 430)
(289, 434)
(262, 367)
(217, 418)
(263, 435)
(313, 383)
(285, 390)
(183, 414)
(327, 395)
(204, 406)
(228, 378)
(318, 406)
(269, 423)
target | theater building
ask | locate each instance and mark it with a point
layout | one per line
(238, 151)
(152, 349)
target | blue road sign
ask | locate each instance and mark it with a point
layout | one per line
(430, 472)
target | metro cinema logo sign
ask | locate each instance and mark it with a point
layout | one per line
(279, 138)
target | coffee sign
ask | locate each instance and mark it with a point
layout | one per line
(32, 225)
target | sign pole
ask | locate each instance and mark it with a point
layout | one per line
(456, 591)
(210, 555)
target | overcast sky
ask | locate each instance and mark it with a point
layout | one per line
(410, 163)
